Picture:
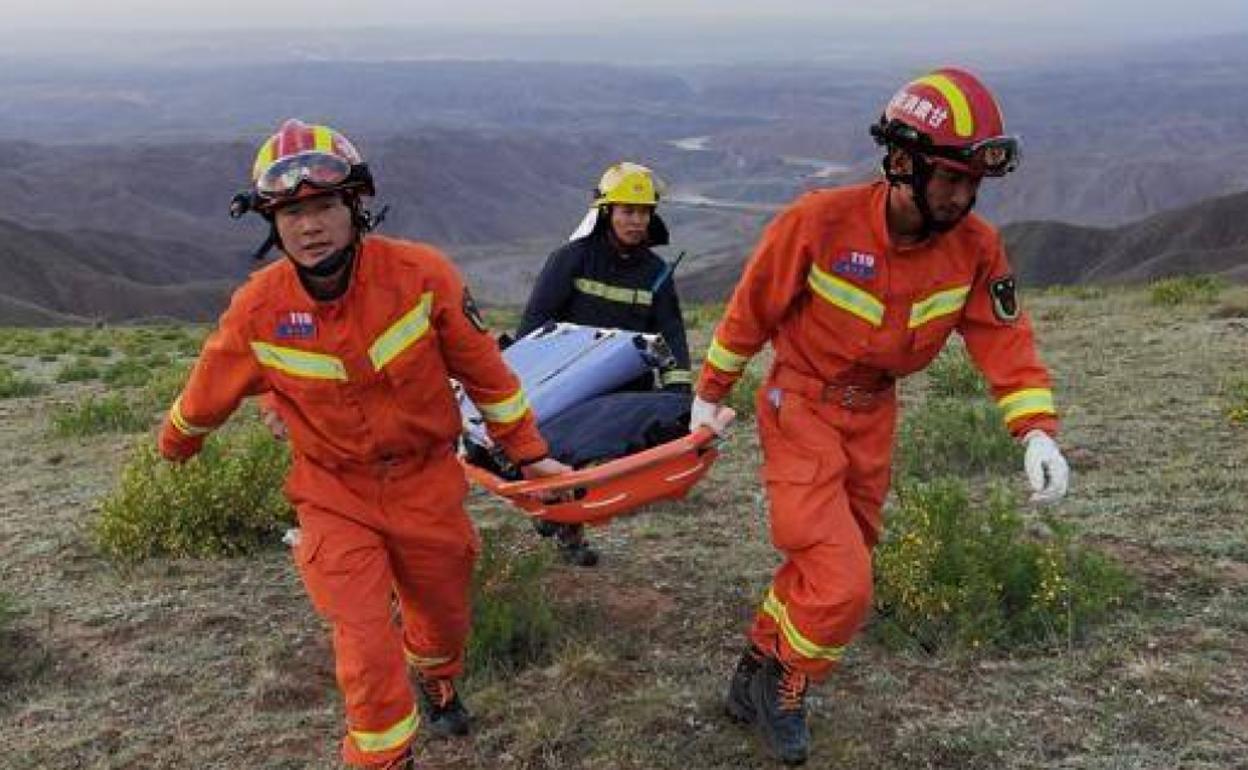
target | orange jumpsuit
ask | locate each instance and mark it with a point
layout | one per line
(361, 383)
(848, 312)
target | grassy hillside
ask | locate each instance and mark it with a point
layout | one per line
(222, 663)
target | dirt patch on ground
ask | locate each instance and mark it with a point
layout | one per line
(625, 606)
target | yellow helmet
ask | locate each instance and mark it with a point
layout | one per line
(630, 183)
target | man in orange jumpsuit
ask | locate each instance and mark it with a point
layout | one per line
(856, 287)
(352, 338)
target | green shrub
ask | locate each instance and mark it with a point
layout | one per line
(164, 386)
(225, 502)
(956, 575)
(98, 350)
(953, 374)
(955, 437)
(1185, 290)
(128, 372)
(13, 385)
(80, 369)
(94, 415)
(1080, 291)
(1237, 394)
(512, 619)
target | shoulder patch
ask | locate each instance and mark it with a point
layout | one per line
(1004, 293)
(472, 312)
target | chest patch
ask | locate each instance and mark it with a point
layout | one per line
(295, 325)
(855, 264)
(1004, 293)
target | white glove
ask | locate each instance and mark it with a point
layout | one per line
(1046, 468)
(713, 416)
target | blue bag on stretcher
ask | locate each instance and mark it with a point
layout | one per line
(561, 365)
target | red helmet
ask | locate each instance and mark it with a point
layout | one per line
(949, 116)
(302, 160)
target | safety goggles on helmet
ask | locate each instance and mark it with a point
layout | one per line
(317, 169)
(997, 156)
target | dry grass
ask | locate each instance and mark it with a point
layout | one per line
(185, 663)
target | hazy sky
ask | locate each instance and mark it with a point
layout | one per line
(1192, 16)
(630, 32)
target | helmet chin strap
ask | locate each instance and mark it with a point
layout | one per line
(918, 179)
(331, 264)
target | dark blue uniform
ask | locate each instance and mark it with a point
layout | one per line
(589, 282)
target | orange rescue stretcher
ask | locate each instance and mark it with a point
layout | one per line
(562, 365)
(599, 493)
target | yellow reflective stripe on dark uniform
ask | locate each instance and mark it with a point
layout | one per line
(724, 359)
(391, 738)
(1022, 403)
(179, 422)
(299, 363)
(402, 334)
(942, 303)
(676, 377)
(804, 647)
(506, 411)
(613, 293)
(846, 296)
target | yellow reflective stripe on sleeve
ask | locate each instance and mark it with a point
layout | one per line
(613, 293)
(724, 359)
(403, 333)
(392, 738)
(963, 119)
(676, 377)
(179, 422)
(942, 303)
(300, 363)
(846, 296)
(506, 411)
(804, 647)
(1021, 403)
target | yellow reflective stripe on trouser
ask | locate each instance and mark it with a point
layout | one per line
(724, 359)
(506, 411)
(676, 377)
(941, 303)
(299, 363)
(179, 422)
(400, 336)
(804, 647)
(613, 293)
(963, 118)
(846, 296)
(1021, 403)
(392, 738)
(420, 661)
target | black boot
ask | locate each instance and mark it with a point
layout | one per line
(545, 528)
(572, 546)
(440, 706)
(738, 702)
(779, 697)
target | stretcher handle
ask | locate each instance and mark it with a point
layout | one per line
(599, 474)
